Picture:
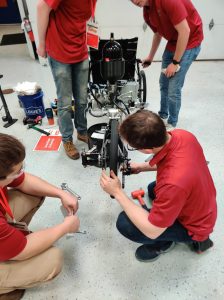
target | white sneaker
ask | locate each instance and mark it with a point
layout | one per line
(169, 127)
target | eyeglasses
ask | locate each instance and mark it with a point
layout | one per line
(17, 174)
(129, 148)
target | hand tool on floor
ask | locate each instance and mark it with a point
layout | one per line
(65, 187)
(29, 121)
(38, 129)
(138, 194)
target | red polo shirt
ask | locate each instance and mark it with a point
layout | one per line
(163, 15)
(12, 241)
(184, 187)
(66, 34)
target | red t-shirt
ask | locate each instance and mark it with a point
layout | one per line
(184, 187)
(163, 15)
(12, 241)
(66, 33)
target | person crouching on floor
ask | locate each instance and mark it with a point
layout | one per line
(183, 196)
(27, 258)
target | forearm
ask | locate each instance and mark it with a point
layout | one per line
(155, 45)
(181, 47)
(145, 167)
(137, 215)
(40, 241)
(34, 185)
(43, 12)
(182, 41)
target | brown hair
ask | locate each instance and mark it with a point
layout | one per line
(12, 152)
(143, 130)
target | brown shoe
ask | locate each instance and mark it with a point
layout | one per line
(14, 295)
(70, 150)
(83, 138)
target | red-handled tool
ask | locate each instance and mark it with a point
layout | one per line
(138, 194)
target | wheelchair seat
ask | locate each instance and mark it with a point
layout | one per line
(129, 47)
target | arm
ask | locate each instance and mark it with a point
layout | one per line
(43, 12)
(137, 168)
(183, 36)
(135, 213)
(182, 40)
(154, 47)
(40, 241)
(36, 186)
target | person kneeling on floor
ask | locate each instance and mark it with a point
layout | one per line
(27, 258)
(183, 196)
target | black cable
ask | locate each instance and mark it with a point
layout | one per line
(128, 112)
(94, 97)
(96, 116)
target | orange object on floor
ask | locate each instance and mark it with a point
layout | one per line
(51, 121)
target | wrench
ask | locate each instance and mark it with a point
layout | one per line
(69, 235)
(65, 187)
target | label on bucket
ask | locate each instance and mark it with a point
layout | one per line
(34, 110)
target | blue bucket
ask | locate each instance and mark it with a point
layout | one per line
(33, 105)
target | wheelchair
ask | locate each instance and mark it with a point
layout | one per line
(116, 88)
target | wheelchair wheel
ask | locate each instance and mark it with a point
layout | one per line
(142, 87)
(113, 151)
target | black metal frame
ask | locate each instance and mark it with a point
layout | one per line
(7, 118)
(112, 152)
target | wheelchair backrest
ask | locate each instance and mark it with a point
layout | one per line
(129, 47)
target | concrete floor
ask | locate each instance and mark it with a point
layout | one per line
(101, 264)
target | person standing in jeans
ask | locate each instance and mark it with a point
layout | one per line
(184, 208)
(62, 37)
(181, 25)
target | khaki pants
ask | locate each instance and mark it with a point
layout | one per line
(37, 269)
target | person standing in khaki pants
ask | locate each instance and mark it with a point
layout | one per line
(27, 258)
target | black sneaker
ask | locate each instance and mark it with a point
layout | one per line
(148, 253)
(200, 247)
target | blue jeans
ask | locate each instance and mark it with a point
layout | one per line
(170, 88)
(174, 233)
(71, 80)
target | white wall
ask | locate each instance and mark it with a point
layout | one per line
(126, 21)
(213, 44)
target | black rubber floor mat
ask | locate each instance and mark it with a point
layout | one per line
(12, 39)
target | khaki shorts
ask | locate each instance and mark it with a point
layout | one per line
(37, 269)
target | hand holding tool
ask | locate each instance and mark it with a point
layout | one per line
(70, 235)
(138, 194)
